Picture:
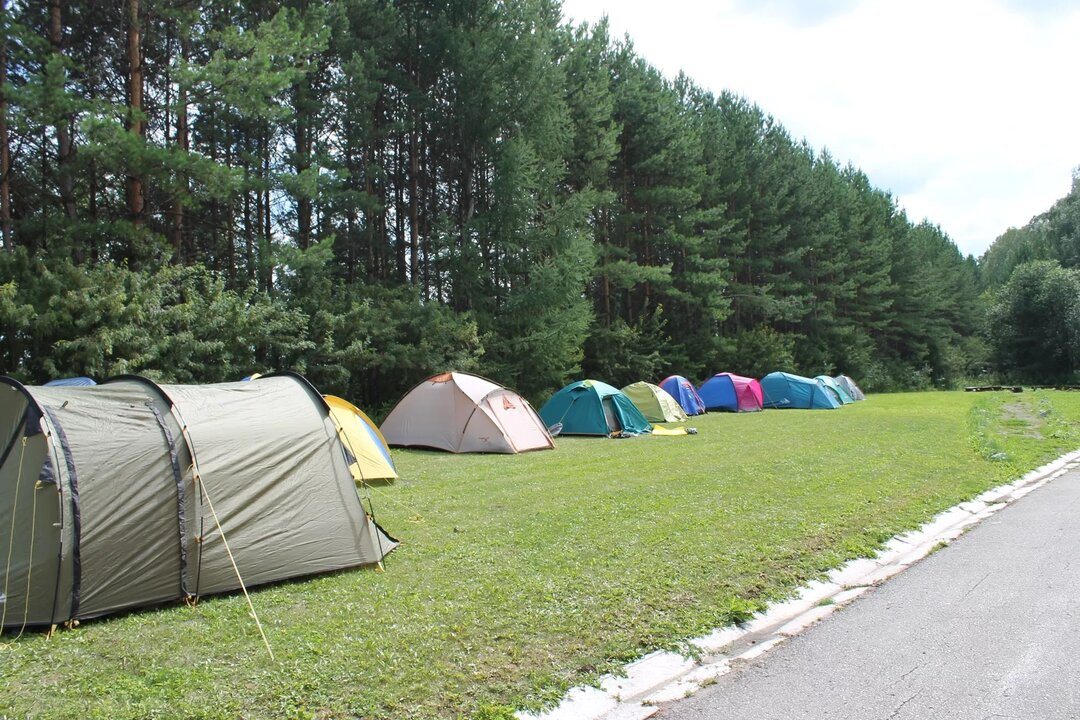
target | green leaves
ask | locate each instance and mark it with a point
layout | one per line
(1034, 323)
(537, 199)
(250, 69)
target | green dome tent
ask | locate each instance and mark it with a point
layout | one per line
(654, 403)
(591, 407)
(840, 390)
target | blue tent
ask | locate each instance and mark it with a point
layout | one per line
(590, 407)
(71, 382)
(784, 390)
(684, 393)
(736, 393)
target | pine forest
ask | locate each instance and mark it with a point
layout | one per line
(369, 192)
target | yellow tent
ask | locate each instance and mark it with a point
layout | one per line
(363, 441)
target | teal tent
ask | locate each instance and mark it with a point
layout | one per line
(590, 407)
(784, 390)
(840, 390)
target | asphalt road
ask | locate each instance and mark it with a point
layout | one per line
(988, 627)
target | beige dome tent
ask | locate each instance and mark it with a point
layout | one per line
(459, 412)
(126, 493)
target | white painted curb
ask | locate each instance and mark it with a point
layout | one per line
(660, 677)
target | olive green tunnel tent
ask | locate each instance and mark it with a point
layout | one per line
(131, 493)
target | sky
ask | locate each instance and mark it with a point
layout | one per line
(965, 110)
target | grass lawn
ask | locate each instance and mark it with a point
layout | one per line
(521, 576)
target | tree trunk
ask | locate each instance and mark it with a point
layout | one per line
(136, 126)
(65, 148)
(176, 228)
(414, 244)
(249, 232)
(352, 217)
(215, 249)
(647, 238)
(258, 231)
(302, 159)
(230, 218)
(382, 234)
(429, 195)
(414, 116)
(350, 253)
(466, 209)
(399, 206)
(604, 223)
(267, 260)
(6, 241)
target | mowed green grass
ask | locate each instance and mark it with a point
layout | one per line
(519, 577)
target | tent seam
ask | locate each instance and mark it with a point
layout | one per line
(180, 495)
(76, 514)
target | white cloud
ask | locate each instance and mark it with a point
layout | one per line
(964, 110)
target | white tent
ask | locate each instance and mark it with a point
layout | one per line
(459, 412)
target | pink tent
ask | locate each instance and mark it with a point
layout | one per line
(736, 393)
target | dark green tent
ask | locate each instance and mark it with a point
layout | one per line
(590, 407)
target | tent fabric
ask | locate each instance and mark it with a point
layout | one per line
(684, 393)
(111, 491)
(735, 393)
(591, 407)
(654, 403)
(786, 391)
(841, 392)
(71, 382)
(848, 384)
(460, 412)
(661, 430)
(365, 447)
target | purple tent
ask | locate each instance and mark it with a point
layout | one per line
(684, 393)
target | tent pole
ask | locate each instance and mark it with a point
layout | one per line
(198, 566)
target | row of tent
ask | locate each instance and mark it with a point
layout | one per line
(590, 407)
(130, 493)
(460, 412)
